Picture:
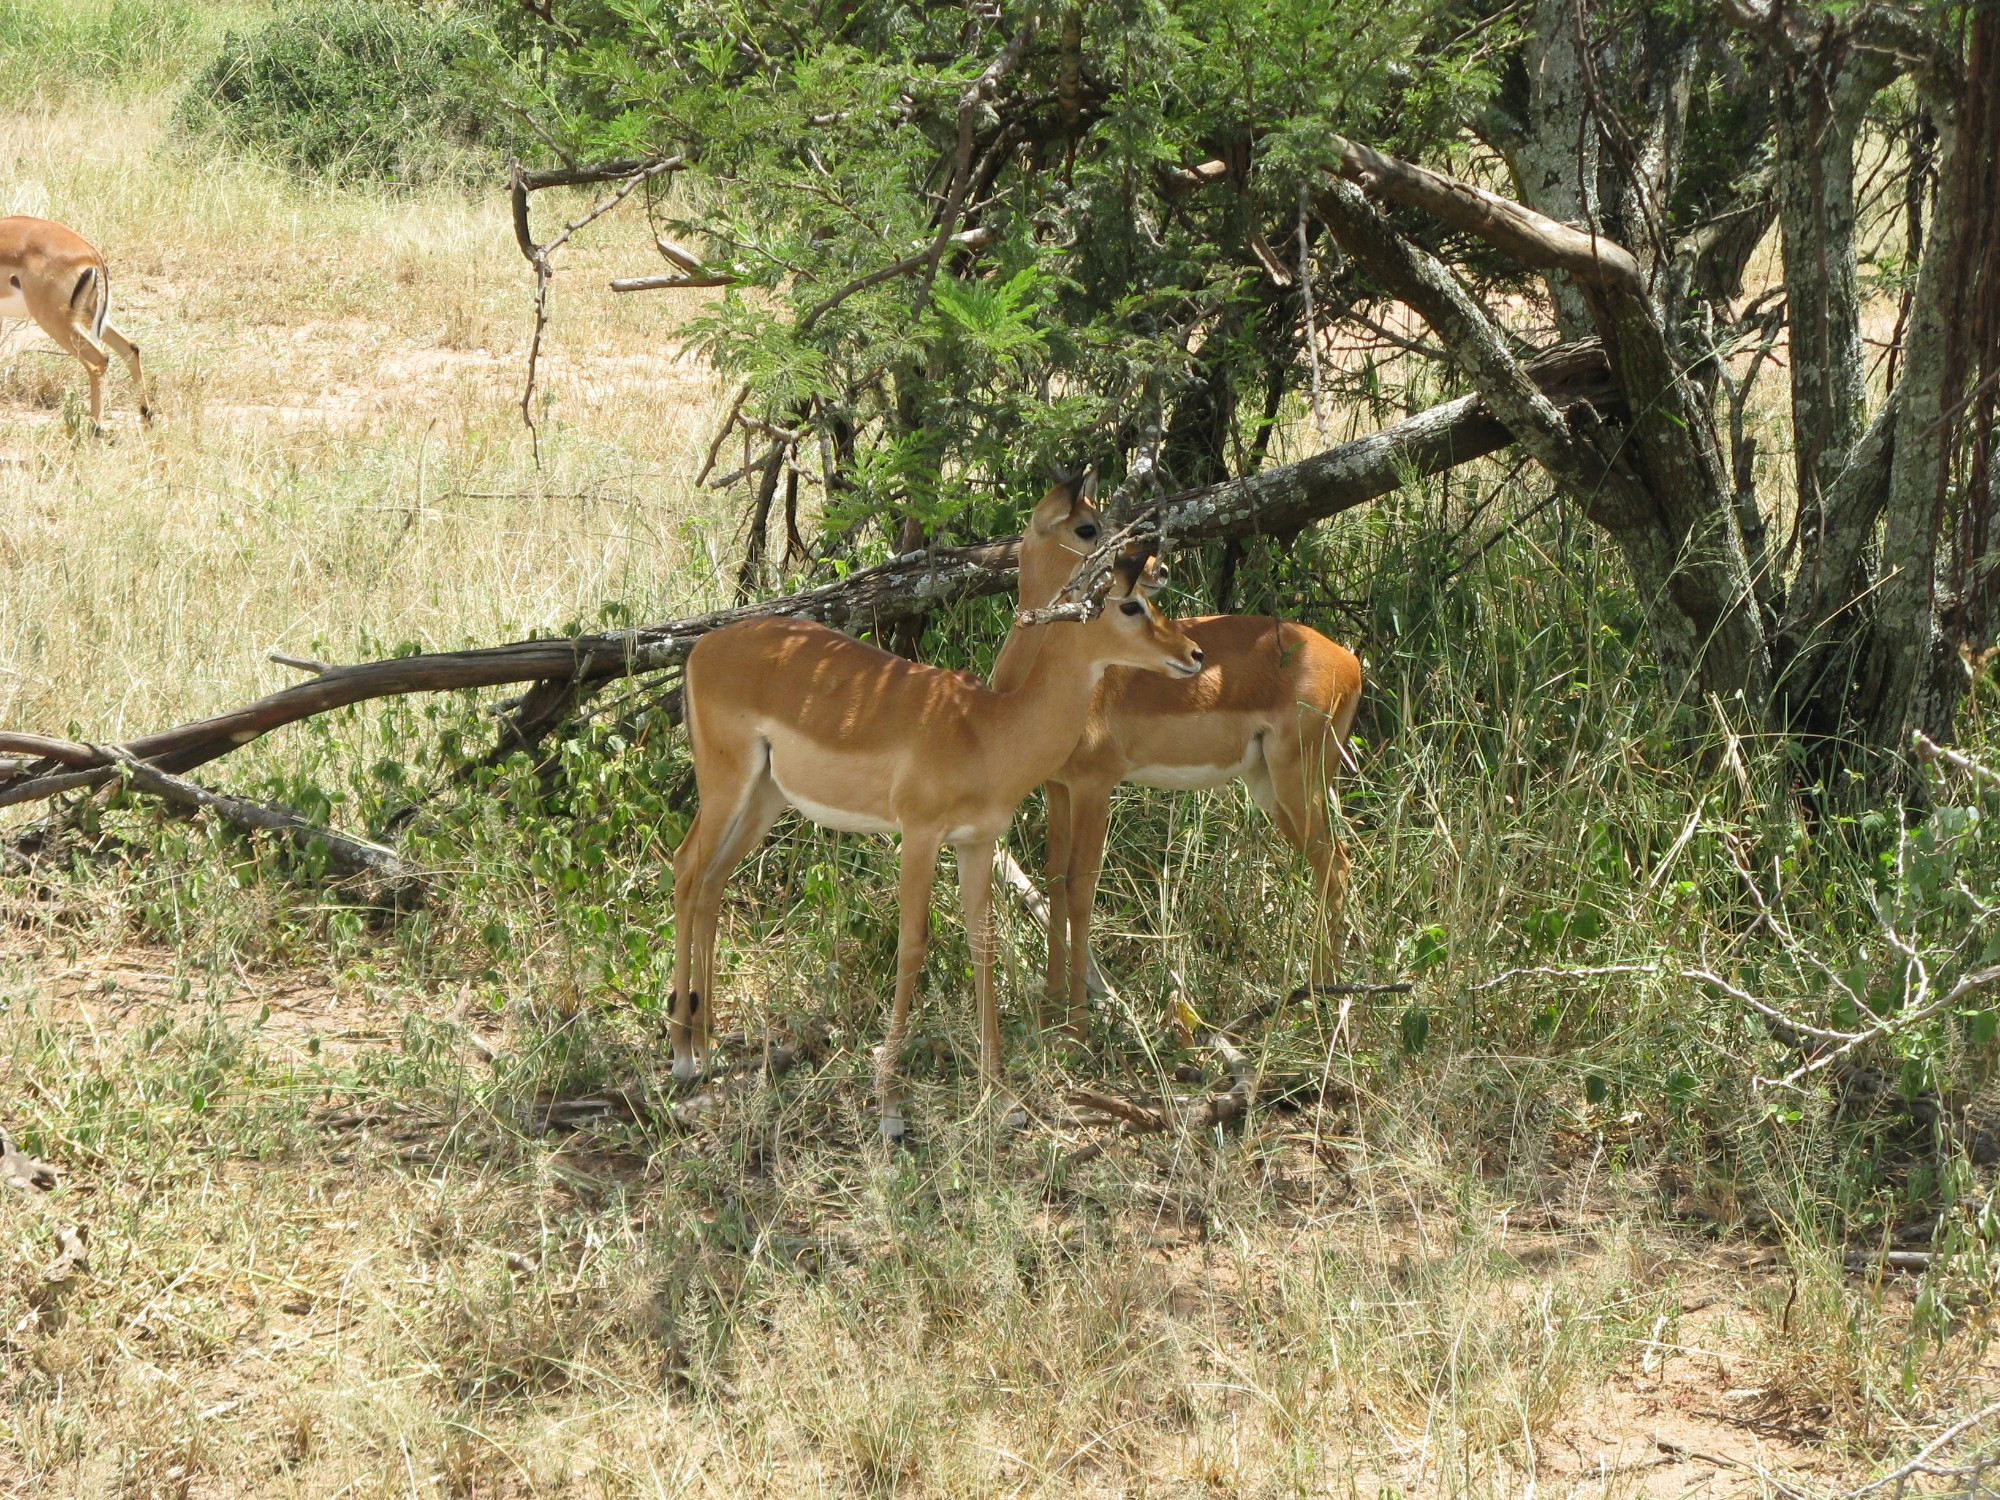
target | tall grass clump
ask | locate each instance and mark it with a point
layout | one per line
(51, 47)
(354, 90)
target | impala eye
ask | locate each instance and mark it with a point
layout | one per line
(1133, 607)
(1085, 532)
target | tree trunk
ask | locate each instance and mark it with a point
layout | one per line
(1555, 160)
(1910, 680)
(1820, 100)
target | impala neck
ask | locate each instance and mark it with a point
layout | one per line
(1019, 652)
(1042, 705)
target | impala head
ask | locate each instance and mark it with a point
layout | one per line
(1064, 529)
(1129, 631)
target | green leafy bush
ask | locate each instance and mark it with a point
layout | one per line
(350, 89)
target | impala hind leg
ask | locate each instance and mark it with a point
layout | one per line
(913, 904)
(93, 359)
(1089, 821)
(975, 892)
(1295, 772)
(716, 842)
(128, 351)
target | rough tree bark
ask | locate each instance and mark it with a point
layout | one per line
(1657, 485)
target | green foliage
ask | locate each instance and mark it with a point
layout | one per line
(345, 89)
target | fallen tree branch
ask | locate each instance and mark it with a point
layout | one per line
(1272, 1004)
(1224, 1108)
(1036, 905)
(348, 855)
(1277, 500)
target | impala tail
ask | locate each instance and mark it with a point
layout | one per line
(93, 282)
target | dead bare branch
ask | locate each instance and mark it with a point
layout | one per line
(1285, 498)
(1531, 238)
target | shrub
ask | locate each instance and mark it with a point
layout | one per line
(350, 89)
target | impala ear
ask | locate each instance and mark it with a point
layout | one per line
(1155, 576)
(1065, 493)
(1086, 490)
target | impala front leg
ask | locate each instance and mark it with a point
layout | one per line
(1057, 885)
(975, 890)
(913, 901)
(1090, 820)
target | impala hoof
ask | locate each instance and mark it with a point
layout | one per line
(1012, 1115)
(893, 1129)
(686, 1071)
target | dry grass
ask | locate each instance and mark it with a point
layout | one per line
(439, 1302)
(339, 465)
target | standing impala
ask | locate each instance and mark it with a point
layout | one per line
(52, 274)
(1274, 708)
(787, 713)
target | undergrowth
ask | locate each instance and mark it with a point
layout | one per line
(51, 48)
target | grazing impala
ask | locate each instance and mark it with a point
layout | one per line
(786, 713)
(1274, 708)
(52, 274)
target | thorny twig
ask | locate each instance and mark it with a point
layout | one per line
(1311, 318)
(1848, 1041)
(1929, 749)
(1082, 598)
(521, 183)
(1920, 1464)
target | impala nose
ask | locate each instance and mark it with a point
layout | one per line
(1196, 654)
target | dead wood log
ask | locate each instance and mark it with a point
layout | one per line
(1224, 1108)
(20, 1170)
(1279, 501)
(347, 855)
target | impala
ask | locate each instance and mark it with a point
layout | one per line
(52, 274)
(787, 713)
(1274, 708)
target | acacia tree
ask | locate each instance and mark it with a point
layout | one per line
(964, 243)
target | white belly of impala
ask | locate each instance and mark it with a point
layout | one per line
(12, 303)
(1194, 778)
(839, 819)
